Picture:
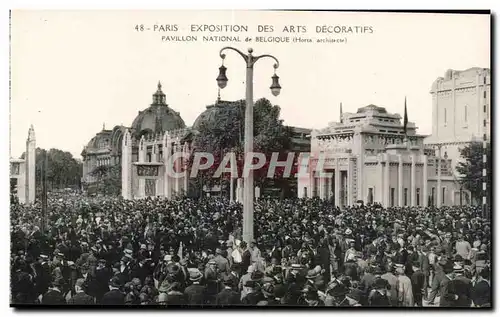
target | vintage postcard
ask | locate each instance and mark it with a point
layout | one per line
(250, 158)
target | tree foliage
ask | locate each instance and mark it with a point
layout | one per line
(471, 169)
(63, 170)
(108, 180)
(225, 133)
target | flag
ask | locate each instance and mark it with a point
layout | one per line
(405, 120)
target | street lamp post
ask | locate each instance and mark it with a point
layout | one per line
(248, 188)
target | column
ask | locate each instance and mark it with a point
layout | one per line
(231, 189)
(413, 181)
(379, 191)
(387, 184)
(141, 193)
(167, 180)
(425, 197)
(239, 190)
(400, 180)
(322, 187)
(177, 148)
(361, 166)
(349, 182)
(337, 182)
(185, 176)
(438, 166)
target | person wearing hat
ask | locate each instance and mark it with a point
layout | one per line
(42, 275)
(457, 291)
(54, 295)
(195, 293)
(253, 293)
(378, 296)
(310, 297)
(114, 296)
(80, 297)
(336, 296)
(211, 281)
(444, 271)
(418, 284)
(227, 296)
(268, 293)
(481, 291)
(405, 291)
(221, 261)
(245, 278)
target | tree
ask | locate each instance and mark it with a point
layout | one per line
(63, 170)
(108, 179)
(471, 169)
(225, 133)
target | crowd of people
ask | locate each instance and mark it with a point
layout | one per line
(306, 252)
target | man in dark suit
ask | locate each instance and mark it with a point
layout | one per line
(481, 291)
(195, 293)
(114, 296)
(457, 292)
(424, 265)
(227, 296)
(378, 296)
(81, 298)
(42, 279)
(418, 284)
(54, 295)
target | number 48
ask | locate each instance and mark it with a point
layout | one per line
(139, 27)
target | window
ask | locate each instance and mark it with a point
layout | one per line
(418, 197)
(465, 113)
(406, 197)
(393, 190)
(148, 159)
(445, 116)
(305, 192)
(443, 200)
(433, 195)
(370, 195)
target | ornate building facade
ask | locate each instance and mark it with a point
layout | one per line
(143, 150)
(22, 172)
(366, 156)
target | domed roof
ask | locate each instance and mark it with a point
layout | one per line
(372, 108)
(220, 111)
(158, 117)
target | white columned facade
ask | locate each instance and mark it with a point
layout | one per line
(142, 158)
(438, 166)
(413, 181)
(400, 181)
(425, 195)
(387, 187)
(337, 182)
(322, 186)
(185, 166)
(127, 166)
(349, 181)
(177, 148)
(167, 151)
(379, 191)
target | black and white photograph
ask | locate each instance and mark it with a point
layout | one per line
(236, 158)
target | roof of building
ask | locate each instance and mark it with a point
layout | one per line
(372, 107)
(157, 118)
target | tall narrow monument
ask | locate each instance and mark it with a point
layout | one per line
(30, 166)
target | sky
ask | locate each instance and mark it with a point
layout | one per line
(73, 71)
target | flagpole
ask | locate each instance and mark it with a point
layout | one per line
(405, 127)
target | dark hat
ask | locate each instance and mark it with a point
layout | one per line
(115, 282)
(339, 290)
(380, 283)
(355, 294)
(250, 284)
(447, 267)
(257, 275)
(280, 291)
